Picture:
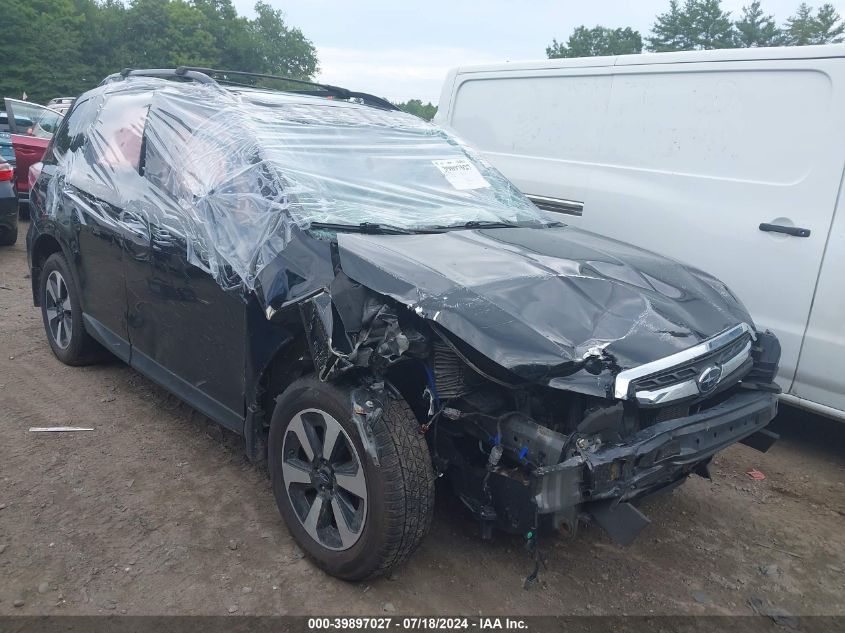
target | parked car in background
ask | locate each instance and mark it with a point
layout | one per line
(369, 304)
(61, 104)
(730, 160)
(31, 127)
(7, 152)
(8, 205)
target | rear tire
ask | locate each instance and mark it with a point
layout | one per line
(62, 315)
(388, 507)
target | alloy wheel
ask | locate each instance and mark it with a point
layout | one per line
(58, 309)
(324, 479)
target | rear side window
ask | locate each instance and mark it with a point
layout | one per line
(115, 139)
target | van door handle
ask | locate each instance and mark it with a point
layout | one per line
(795, 231)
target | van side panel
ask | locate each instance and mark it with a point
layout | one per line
(685, 159)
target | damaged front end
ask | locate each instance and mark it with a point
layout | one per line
(541, 445)
(557, 458)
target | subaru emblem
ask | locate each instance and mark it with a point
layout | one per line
(709, 378)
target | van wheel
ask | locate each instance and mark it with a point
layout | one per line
(62, 315)
(353, 518)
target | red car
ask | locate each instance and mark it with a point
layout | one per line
(29, 143)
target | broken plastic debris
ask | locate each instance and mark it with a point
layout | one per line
(756, 475)
(57, 429)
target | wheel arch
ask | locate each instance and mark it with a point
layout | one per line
(43, 246)
(290, 361)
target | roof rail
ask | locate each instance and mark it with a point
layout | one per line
(167, 72)
(206, 76)
(336, 91)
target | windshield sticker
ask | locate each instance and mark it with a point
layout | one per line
(461, 173)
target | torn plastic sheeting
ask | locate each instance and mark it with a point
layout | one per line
(234, 172)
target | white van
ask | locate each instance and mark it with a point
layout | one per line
(729, 160)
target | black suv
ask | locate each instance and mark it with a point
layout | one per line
(371, 305)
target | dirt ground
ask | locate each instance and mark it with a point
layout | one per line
(157, 512)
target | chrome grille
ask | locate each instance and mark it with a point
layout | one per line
(693, 369)
(691, 373)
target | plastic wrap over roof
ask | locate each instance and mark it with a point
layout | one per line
(234, 172)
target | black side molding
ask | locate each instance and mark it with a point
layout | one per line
(794, 231)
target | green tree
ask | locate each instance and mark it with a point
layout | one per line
(831, 28)
(800, 28)
(64, 47)
(42, 55)
(146, 33)
(755, 28)
(695, 25)
(804, 28)
(670, 31)
(280, 49)
(191, 43)
(233, 38)
(597, 41)
(167, 33)
(103, 43)
(417, 108)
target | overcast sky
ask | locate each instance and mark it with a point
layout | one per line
(402, 49)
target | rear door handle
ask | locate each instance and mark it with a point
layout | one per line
(795, 231)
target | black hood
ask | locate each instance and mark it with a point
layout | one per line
(529, 298)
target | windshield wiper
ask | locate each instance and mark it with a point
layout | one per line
(481, 224)
(364, 227)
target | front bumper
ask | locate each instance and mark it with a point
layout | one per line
(653, 458)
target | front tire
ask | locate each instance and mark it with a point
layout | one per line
(62, 314)
(353, 518)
